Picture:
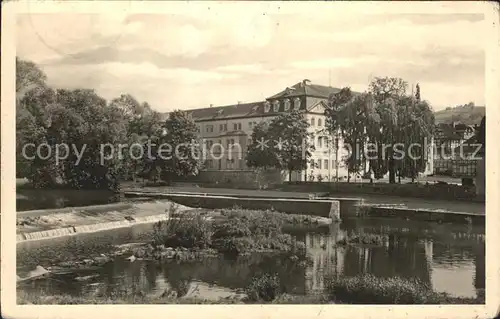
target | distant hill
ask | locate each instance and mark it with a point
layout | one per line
(468, 114)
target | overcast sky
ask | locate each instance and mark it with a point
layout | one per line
(206, 55)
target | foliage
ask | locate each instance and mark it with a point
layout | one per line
(357, 121)
(189, 231)
(87, 124)
(258, 156)
(387, 119)
(183, 158)
(76, 118)
(368, 289)
(237, 233)
(265, 287)
(270, 150)
(362, 239)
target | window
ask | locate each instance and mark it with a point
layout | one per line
(230, 164)
(319, 122)
(320, 141)
(236, 126)
(326, 164)
(313, 122)
(276, 106)
(287, 104)
(223, 127)
(209, 144)
(267, 106)
(296, 103)
(209, 164)
(210, 128)
(319, 164)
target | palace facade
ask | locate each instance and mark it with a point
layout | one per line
(231, 126)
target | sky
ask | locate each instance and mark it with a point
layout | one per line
(205, 54)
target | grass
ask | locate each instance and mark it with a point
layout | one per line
(368, 289)
(237, 232)
(266, 289)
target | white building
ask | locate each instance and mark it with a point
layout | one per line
(231, 126)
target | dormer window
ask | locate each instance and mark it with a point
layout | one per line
(296, 104)
(276, 106)
(287, 105)
(267, 106)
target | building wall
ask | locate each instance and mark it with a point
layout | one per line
(328, 163)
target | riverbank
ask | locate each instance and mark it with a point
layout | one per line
(361, 289)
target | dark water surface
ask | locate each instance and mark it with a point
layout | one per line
(450, 258)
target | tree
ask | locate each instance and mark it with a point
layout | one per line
(260, 155)
(183, 155)
(384, 88)
(283, 144)
(387, 119)
(85, 120)
(355, 118)
(33, 99)
(417, 93)
(289, 132)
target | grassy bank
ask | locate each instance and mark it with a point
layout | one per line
(265, 289)
(368, 289)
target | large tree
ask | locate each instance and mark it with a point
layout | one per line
(390, 121)
(181, 154)
(76, 119)
(354, 117)
(283, 144)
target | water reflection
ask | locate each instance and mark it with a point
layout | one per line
(448, 259)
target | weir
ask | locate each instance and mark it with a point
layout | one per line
(315, 207)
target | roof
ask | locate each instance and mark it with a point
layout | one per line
(256, 109)
(307, 89)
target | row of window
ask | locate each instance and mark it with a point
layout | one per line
(323, 164)
(229, 143)
(209, 128)
(230, 164)
(313, 122)
(286, 102)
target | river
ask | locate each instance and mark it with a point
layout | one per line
(449, 258)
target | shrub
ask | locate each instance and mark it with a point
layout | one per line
(368, 289)
(362, 239)
(234, 245)
(265, 287)
(189, 230)
(234, 227)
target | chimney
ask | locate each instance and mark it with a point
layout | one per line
(239, 102)
(211, 105)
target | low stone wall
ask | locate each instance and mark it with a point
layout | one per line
(431, 191)
(421, 215)
(321, 208)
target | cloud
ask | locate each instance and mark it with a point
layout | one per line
(230, 55)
